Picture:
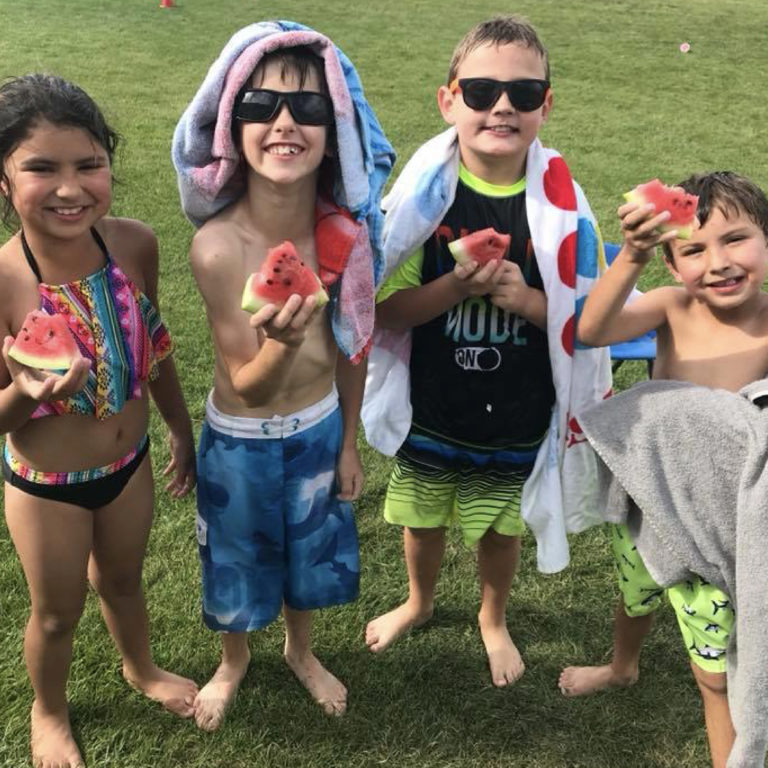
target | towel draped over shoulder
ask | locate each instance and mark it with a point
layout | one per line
(560, 495)
(210, 171)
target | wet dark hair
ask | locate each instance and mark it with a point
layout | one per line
(728, 192)
(27, 101)
(500, 30)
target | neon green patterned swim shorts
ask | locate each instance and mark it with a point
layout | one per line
(703, 611)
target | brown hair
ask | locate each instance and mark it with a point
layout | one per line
(298, 60)
(500, 30)
(728, 192)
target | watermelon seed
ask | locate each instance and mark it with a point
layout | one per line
(276, 269)
(270, 281)
(287, 281)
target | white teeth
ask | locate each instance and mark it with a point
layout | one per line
(283, 149)
(68, 211)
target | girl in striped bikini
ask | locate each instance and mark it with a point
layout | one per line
(78, 480)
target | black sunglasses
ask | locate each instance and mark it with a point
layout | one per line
(260, 105)
(481, 93)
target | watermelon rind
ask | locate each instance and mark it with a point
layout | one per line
(35, 353)
(461, 249)
(252, 302)
(459, 252)
(62, 363)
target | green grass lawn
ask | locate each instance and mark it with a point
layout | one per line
(629, 106)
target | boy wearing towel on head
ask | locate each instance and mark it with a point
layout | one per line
(279, 144)
(486, 352)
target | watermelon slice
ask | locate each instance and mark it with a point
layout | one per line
(282, 274)
(44, 341)
(480, 246)
(676, 200)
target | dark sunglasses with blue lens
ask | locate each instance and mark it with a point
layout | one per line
(260, 105)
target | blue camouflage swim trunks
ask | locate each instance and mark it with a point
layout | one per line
(270, 528)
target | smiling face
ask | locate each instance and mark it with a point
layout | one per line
(725, 262)
(59, 181)
(494, 142)
(283, 151)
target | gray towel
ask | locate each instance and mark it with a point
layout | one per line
(685, 468)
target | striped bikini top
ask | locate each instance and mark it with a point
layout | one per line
(116, 327)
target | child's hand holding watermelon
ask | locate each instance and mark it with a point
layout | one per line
(655, 214)
(479, 257)
(43, 385)
(287, 323)
(283, 296)
(478, 280)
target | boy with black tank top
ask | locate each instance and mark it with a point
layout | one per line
(482, 388)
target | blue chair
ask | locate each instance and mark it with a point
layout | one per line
(641, 348)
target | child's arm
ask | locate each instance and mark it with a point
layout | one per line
(280, 332)
(606, 319)
(515, 296)
(258, 351)
(410, 307)
(350, 380)
(165, 388)
(168, 396)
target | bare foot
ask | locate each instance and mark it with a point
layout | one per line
(506, 664)
(175, 693)
(328, 691)
(218, 693)
(382, 631)
(52, 742)
(582, 681)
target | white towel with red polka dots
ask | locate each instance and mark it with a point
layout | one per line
(561, 495)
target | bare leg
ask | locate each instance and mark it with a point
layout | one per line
(628, 635)
(424, 549)
(53, 541)
(219, 692)
(497, 559)
(325, 689)
(717, 715)
(121, 530)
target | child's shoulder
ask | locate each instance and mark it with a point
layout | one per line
(132, 244)
(10, 262)
(119, 228)
(673, 300)
(762, 308)
(225, 237)
(9, 252)
(218, 255)
(13, 266)
(218, 240)
(128, 238)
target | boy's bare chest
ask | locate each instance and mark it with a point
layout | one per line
(720, 356)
